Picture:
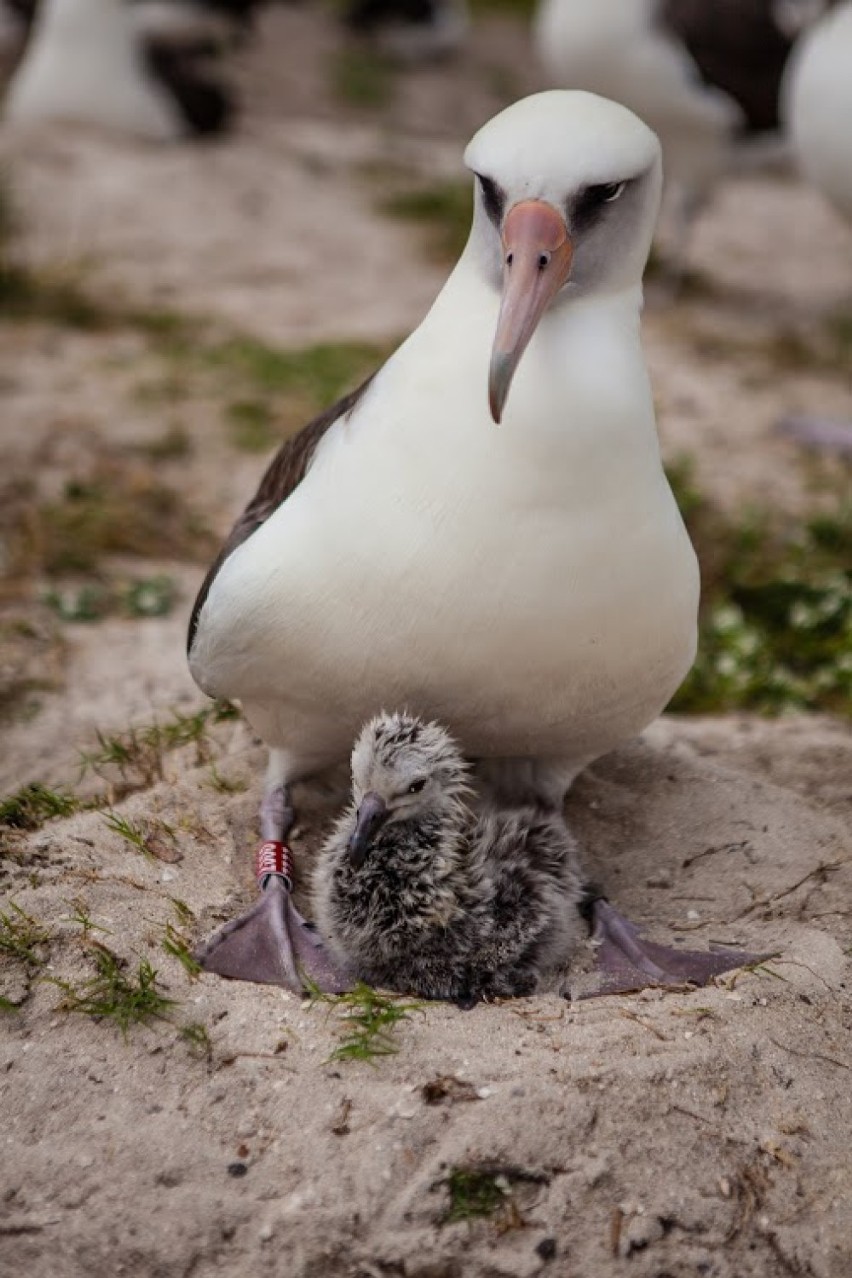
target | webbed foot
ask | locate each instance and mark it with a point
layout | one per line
(272, 943)
(627, 962)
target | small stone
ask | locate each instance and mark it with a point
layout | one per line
(659, 879)
(640, 1233)
(237, 1169)
(546, 1249)
(265, 1233)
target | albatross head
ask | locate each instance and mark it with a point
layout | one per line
(567, 193)
(403, 769)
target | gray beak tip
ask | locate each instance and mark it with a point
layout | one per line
(371, 815)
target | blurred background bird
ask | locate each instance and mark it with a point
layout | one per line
(704, 74)
(817, 107)
(146, 67)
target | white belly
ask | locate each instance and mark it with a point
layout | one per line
(530, 586)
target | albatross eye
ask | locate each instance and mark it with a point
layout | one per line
(609, 191)
(417, 786)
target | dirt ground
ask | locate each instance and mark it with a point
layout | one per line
(656, 1135)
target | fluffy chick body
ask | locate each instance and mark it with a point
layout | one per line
(447, 902)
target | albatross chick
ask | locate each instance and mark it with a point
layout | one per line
(417, 892)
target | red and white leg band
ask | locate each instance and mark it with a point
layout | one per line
(273, 858)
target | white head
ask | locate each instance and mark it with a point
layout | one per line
(403, 769)
(567, 193)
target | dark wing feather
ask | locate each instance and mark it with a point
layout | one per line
(284, 474)
(738, 47)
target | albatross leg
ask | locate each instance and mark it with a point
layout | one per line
(627, 962)
(272, 943)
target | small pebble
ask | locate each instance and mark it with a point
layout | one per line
(660, 879)
(237, 1169)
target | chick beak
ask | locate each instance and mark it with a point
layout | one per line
(372, 814)
(537, 253)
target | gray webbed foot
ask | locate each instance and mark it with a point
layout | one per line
(627, 962)
(273, 945)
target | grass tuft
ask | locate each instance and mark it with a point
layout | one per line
(369, 1021)
(134, 760)
(178, 946)
(474, 1193)
(83, 920)
(22, 937)
(128, 830)
(489, 1191)
(195, 1034)
(115, 994)
(29, 808)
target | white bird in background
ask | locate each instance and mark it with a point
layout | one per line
(132, 68)
(817, 105)
(530, 585)
(704, 74)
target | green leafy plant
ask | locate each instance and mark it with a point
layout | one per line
(776, 622)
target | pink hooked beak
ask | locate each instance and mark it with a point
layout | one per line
(537, 253)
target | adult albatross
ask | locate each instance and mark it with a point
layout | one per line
(483, 532)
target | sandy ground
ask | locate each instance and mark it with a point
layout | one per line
(688, 1134)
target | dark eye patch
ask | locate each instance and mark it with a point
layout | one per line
(589, 203)
(493, 197)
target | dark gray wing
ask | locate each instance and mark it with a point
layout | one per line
(284, 474)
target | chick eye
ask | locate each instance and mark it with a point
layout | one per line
(417, 786)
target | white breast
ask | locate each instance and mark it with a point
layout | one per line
(531, 585)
